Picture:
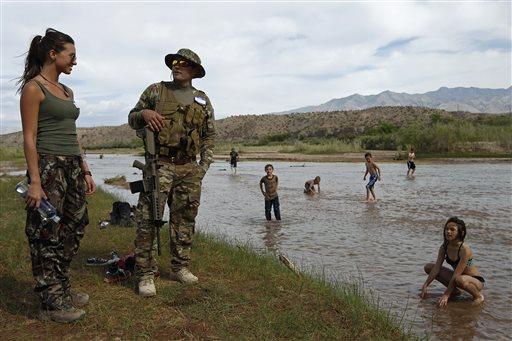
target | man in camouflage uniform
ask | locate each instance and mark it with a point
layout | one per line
(183, 116)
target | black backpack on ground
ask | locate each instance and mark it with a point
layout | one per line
(121, 214)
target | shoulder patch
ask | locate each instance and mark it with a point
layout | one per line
(200, 100)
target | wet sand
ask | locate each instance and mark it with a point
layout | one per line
(379, 155)
(383, 155)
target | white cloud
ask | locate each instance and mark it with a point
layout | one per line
(262, 57)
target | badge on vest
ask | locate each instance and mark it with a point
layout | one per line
(200, 101)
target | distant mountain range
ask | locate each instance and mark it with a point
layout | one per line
(475, 100)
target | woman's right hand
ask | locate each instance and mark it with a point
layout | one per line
(34, 195)
(154, 120)
(423, 293)
(443, 301)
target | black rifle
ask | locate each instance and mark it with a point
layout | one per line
(149, 183)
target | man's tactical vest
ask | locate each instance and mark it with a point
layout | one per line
(181, 134)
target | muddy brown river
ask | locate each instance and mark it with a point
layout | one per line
(383, 245)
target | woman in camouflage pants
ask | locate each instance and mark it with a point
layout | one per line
(56, 172)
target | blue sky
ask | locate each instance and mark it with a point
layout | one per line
(261, 57)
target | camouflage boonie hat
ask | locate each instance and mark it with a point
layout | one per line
(189, 55)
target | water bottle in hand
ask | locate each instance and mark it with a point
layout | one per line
(46, 210)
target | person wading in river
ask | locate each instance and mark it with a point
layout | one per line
(411, 166)
(374, 171)
(233, 159)
(458, 254)
(268, 187)
(309, 186)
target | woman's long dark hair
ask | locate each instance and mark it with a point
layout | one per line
(39, 49)
(461, 228)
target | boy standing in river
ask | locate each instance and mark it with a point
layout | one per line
(374, 170)
(411, 166)
(233, 159)
(270, 182)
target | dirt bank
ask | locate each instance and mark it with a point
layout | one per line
(378, 155)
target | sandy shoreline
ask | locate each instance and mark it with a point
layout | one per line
(378, 155)
(7, 166)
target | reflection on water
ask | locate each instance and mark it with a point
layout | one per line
(460, 321)
(272, 235)
(387, 242)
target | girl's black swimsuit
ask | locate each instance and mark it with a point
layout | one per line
(454, 263)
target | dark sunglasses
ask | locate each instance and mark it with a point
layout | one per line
(181, 63)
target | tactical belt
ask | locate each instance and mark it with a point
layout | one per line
(166, 151)
(172, 155)
(177, 160)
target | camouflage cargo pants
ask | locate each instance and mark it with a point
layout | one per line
(180, 187)
(52, 246)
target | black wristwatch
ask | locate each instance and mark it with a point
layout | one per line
(87, 173)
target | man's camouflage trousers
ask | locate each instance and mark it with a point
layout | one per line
(52, 246)
(180, 187)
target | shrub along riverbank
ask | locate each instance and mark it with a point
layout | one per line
(435, 136)
(241, 294)
(432, 132)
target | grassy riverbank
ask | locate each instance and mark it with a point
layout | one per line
(241, 294)
(11, 158)
(310, 150)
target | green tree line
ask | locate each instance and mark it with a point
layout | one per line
(440, 134)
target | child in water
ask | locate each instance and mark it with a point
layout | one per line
(411, 166)
(309, 186)
(270, 182)
(458, 254)
(233, 159)
(374, 170)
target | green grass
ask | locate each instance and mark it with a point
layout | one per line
(241, 294)
(313, 146)
(132, 144)
(462, 154)
(321, 146)
(487, 135)
(11, 157)
(11, 153)
(224, 147)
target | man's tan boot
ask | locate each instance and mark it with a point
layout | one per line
(184, 276)
(147, 287)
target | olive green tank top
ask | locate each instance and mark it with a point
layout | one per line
(56, 129)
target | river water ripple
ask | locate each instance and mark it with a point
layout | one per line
(384, 244)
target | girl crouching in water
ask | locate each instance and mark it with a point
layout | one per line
(458, 254)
